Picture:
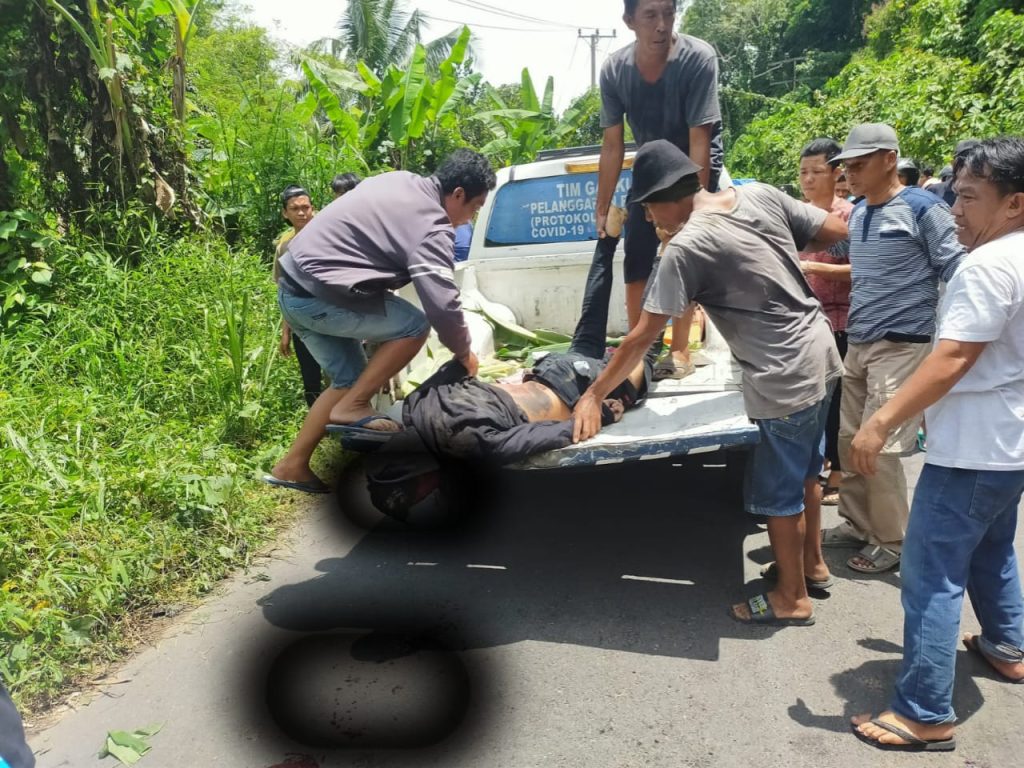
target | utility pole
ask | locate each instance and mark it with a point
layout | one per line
(592, 39)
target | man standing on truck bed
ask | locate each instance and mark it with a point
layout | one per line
(666, 86)
(737, 257)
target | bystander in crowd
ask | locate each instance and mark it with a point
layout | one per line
(902, 243)
(964, 518)
(828, 273)
(297, 209)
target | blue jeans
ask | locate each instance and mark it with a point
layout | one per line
(791, 451)
(334, 335)
(960, 536)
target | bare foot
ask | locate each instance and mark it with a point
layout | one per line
(801, 609)
(344, 413)
(616, 407)
(817, 572)
(1011, 671)
(864, 726)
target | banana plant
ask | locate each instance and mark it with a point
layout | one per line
(100, 44)
(183, 17)
(403, 106)
(519, 134)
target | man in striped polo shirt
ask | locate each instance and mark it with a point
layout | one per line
(902, 242)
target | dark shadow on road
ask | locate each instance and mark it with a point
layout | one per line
(868, 688)
(879, 645)
(642, 557)
(566, 557)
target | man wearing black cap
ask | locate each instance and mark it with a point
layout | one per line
(902, 242)
(735, 253)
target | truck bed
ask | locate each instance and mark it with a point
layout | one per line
(703, 412)
(664, 426)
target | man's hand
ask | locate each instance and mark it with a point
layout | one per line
(470, 363)
(602, 220)
(867, 444)
(285, 345)
(586, 418)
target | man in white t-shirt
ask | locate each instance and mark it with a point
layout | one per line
(962, 524)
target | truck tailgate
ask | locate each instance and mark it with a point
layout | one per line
(665, 425)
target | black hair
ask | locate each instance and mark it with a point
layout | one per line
(345, 182)
(822, 146)
(907, 169)
(927, 170)
(842, 177)
(999, 160)
(292, 190)
(965, 145)
(467, 169)
(630, 6)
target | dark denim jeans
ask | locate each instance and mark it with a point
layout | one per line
(14, 751)
(960, 536)
(592, 329)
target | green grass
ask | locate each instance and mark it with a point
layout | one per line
(132, 422)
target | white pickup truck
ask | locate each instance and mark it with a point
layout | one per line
(532, 246)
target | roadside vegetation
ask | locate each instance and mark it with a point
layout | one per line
(142, 147)
(936, 70)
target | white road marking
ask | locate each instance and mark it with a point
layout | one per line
(423, 564)
(488, 567)
(684, 582)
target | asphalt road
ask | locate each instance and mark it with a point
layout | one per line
(578, 619)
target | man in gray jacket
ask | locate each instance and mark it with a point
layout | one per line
(335, 292)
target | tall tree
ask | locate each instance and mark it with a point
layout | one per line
(773, 48)
(381, 33)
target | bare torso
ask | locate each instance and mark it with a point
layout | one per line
(537, 401)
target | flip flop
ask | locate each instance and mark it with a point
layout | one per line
(316, 485)
(667, 368)
(761, 613)
(699, 359)
(360, 428)
(357, 437)
(914, 744)
(837, 538)
(881, 559)
(971, 644)
(771, 573)
(830, 495)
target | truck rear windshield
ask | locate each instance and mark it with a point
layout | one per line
(554, 209)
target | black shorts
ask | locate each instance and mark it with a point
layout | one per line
(641, 245)
(570, 374)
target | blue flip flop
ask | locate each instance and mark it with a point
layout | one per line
(358, 437)
(316, 485)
